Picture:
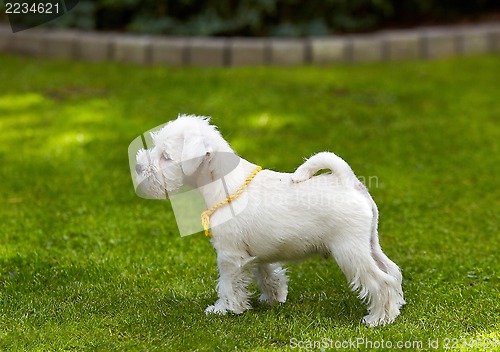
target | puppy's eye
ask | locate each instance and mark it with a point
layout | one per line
(164, 160)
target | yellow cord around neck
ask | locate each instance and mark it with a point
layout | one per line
(205, 216)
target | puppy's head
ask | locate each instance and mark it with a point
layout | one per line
(180, 151)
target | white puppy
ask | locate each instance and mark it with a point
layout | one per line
(271, 217)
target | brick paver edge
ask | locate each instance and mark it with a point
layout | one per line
(389, 45)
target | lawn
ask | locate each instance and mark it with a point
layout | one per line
(85, 264)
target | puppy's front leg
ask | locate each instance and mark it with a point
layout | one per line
(234, 277)
(273, 282)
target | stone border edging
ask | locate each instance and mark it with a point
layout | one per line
(412, 44)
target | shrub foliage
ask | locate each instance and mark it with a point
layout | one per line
(265, 17)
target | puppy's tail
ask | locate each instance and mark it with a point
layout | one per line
(322, 161)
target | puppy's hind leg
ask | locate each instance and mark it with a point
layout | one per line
(380, 290)
(234, 277)
(383, 262)
(389, 267)
(273, 282)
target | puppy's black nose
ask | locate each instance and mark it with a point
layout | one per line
(138, 169)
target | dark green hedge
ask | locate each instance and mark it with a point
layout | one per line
(266, 17)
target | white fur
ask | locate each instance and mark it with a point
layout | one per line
(278, 217)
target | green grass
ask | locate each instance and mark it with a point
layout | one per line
(85, 264)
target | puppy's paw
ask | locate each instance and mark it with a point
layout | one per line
(300, 175)
(215, 309)
(271, 301)
(372, 321)
(265, 300)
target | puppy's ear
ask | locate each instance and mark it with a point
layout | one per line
(194, 152)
